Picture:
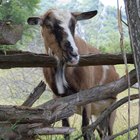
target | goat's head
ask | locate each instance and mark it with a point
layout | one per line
(58, 27)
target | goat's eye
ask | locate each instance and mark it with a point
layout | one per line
(48, 23)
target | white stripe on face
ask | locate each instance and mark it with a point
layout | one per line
(65, 17)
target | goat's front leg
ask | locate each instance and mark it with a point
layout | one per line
(85, 123)
(65, 123)
(105, 128)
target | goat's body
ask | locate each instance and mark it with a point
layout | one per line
(80, 78)
(58, 31)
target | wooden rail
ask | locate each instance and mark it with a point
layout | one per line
(13, 59)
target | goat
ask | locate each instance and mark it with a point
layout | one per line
(58, 31)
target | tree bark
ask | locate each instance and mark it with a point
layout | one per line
(133, 17)
(51, 131)
(13, 59)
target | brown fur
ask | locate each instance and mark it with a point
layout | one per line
(86, 77)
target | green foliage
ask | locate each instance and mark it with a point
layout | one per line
(17, 12)
(112, 44)
(101, 31)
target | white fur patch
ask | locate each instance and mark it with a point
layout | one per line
(70, 39)
(62, 15)
(59, 84)
(104, 76)
(63, 77)
(60, 80)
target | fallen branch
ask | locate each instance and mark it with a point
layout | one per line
(15, 131)
(23, 115)
(35, 95)
(51, 131)
(8, 131)
(58, 109)
(15, 59)
(98, 93)
(28, 102)
(23, 119)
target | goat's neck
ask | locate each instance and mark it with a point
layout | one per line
(62, 85)
(64, 88)
(60, 78)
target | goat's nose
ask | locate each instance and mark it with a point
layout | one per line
(74, 54)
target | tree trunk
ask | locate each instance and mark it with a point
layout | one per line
(133, 16)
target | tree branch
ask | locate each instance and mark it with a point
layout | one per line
(57, 109)
(60, 108)
(12, 59)
(114, 106)
(121, 133)
(97, 93)
(111, 109)
(51, 131)
(35, 95)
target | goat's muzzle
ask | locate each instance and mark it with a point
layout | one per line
(72, 58)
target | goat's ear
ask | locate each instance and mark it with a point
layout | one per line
(34, 21)
(84, 15)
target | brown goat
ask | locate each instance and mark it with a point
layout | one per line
(58, 31)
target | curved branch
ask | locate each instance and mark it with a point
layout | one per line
(122, 133)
